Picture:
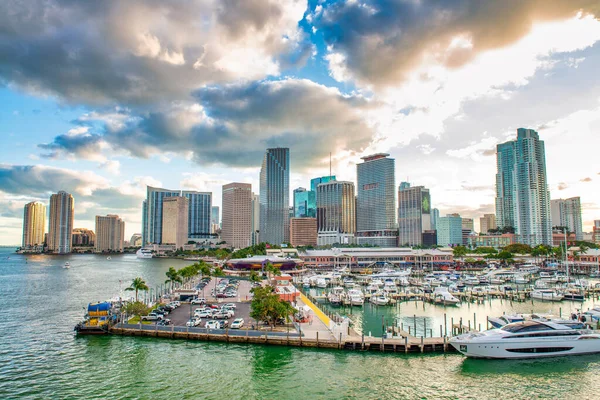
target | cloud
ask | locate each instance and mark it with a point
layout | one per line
(311, 119)
(141, 52)
(562, 186)
(588, 179)
(381, 42)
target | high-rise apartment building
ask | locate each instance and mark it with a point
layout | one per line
(199, 214)
(303, 231)
(175, 220)
(153, 218)
(83, 237)
(435, 214)
(596, 232)
(214, 220)
(62, 210)
(236, 229)
(110, 233)
(449, 230)
(414, 214)
(255, 219)
(336, 213)
(487, 222)
(136, 240)
(376, 201)
(275, 196)
(305, 203)
(567, 213)
(522, 196)
(34, 225)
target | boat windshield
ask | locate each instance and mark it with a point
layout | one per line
(526, 326)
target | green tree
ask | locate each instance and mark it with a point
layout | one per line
(266, 306)
(272, 270)
(459, 252)
(136, 308)
(518, 248)
(254, 277)
(138, 284)
(172, 277)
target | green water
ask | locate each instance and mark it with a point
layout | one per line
(41, 358)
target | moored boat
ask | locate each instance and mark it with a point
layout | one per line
(546, 295)
(143, 253)
(96, 320)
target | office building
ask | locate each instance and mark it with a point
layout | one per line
(487, 222)
(336, 213)
(414, 214)
(175, 221)
(214, 220)
(110, 233)
(275, 196)
(376, 201)
(83, 237)
(567, 213)
(449, 230)
(34, 225)
(435, 214)
(199, 214)
(60, 231)
(315, 182)
(305, 203)
(153, 218)
(522, 196)
(236, 229)
(303, 231)
(495, 241)
(255, 219)
(596, 232)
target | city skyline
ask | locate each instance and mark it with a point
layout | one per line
(162, 110)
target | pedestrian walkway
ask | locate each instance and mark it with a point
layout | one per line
(320, 314)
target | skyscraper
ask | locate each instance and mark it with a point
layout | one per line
(303, 231)
(376, 201)
(487, 222)
(305, 203)
(152, 229)
(275, 196)
(255, 219)
(449, 230)
(62, 209)
(175, 221)
(110, 233)
(214, 219)
(236, 229)
(34, 225)
(336, 212)
(522, 196)
(435, 214)
(414, 214)
(315, 182)
(199, 214)
(567, 213)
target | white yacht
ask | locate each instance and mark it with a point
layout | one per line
(356, 297)
(529, 339)
(336, 296)
(402, 281)
(380, 299)
(546, 294)
(143, 253)
(441, 295)
(67, 265)
(521, 280)
(321, 283)
(471, 281)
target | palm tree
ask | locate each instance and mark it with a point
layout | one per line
(173, 276)
(138, 284)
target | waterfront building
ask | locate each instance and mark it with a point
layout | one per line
(449, 230)
(34, 225)
(376, 201)
(468, 227)
(275, 196)
(83, 237)
(110, 233)
(60, 230)
(495, 241)
(435, 214)
(414, 214)
(175, 221)
(199, 214)
(136, 240)
(596, 231)
(214, 219)
(255, 219)
(305, 203)
(336, 213)
(236, 229)
(303, 231)
(558, 239)
(153, 206)
(522, 196)
(567, 213)
(487, 222)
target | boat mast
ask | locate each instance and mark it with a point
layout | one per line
(566, 255)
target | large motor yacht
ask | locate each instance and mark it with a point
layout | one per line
(529, 339)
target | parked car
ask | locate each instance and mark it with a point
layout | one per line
(170, 307)
(193, 322)
(204, 314)
(237, 323)
(213, 306)
(223, 324)
(230, 305)
(212, 325)
(200, 309)
(164, 322)
(230, 313)
(198, 301)
(152, 317)
(221, 315)
(221, 295)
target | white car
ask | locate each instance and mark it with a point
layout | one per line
(198, 301)
(230, 305)
(228, 311)
(212, 325)
(192, 322)
(200, 309)
(204, 314)
(237, 323)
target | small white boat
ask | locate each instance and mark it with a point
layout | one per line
(442, 296)
(521, 280)
(546, 295)
(144, 253)
(109, 258)
(321, 283)
(67, 265)
(496, 281)
(403, 281)
(380, 299)
(356, 297)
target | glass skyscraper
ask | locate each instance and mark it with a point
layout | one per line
(376, 201)
(199, 214)
(315, 182)
(336, 211)
(414, 214)
(305, 203)
(152, 231)
(275, 196)
(522, 196)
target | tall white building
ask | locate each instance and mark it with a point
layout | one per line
(60, 230)
(34, 225)
(236, 226)
(255, 219)
(522, 196)
(567, 213)
(175, 214)
(110, 233)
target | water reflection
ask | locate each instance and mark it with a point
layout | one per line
(524, 368)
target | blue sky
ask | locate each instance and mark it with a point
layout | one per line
(102, 99)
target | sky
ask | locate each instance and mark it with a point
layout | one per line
(101, 99)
